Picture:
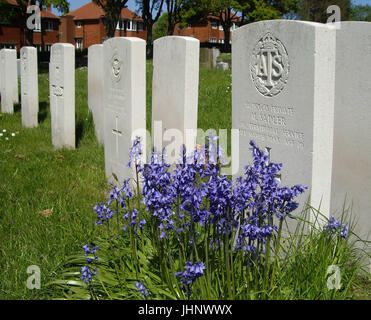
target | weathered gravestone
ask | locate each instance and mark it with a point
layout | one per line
(95, 88)
(215, 54)
(206, 58)
(29, 87)
(62, 95)
(9, 80)
(175, 92)
(351, 175)
(283, 99)
(124, 102)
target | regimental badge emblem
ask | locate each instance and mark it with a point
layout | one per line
(24, 61)
(116, 64)
(269, 66)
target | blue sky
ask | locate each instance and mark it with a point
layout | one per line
(74, 4)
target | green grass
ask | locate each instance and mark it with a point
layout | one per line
(36, 180)
(34, 177)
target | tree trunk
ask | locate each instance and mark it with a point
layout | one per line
(170, 28)
(149, 28)
(227, 37)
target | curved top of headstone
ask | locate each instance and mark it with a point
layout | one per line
(124, 39)
(64, 45)
(96, 46)
(277, 22)
(8, 50)
(176, 38)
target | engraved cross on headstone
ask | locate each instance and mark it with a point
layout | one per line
(118, 134)
(277, 176)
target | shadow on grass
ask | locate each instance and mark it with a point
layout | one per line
(43, 112)
(17, 107)
(80, 127)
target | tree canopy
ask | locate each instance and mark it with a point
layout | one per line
(113, 9)
(360, 13)
(316, 11)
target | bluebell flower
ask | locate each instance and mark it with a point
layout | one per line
(334, 226)
(87, 274)
(135, 153)
(158, 192)
(142, 289)
(193, 270)
(103, 212)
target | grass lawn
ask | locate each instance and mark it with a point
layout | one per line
(47, 196)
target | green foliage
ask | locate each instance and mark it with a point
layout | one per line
(360, 13)
(113, 9)
(36, 180)
(296, 270)
(161, 27)
(314, 10)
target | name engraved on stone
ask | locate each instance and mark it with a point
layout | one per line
(269, 65)
(271, 124)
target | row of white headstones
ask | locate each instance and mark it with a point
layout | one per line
(301, 90)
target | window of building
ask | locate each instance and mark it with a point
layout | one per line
(221, 40)
(37, 25)
(120, 25)
(49, 25)
(79, 24)
(214, 24)
(212, 40)
(140, 26)
(79, 43)
(39, 47)
(131, 25)
(48, 47)
(134, 25)
(189, 26)
(221, 28)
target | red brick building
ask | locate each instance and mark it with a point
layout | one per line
(85, 26)
(82, 27)
(208, 30)
(44, 35)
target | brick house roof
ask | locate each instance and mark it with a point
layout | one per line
(91, 11)
(45, 13)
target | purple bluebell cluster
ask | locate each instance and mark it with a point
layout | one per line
(118, 199)
(135, 153)
(194, 196)
(193, 270)
(334, 226)
(88, 271)
(87, 274)
(142, 289)
(158, 192)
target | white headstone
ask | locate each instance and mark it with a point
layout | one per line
(175, 90)
(352, 139)
(62, 95)
(283, 99)
(95, 88)
(222, 66)
(124, 102)
(9, 82)
(216, 54)
(29, 87)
